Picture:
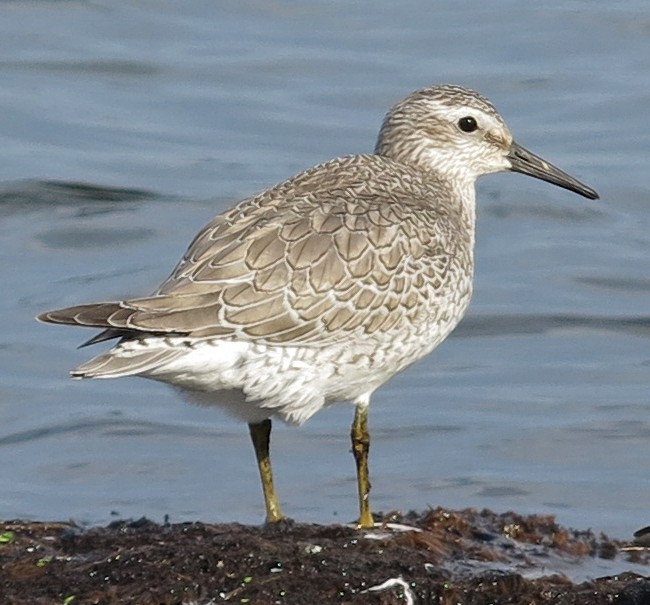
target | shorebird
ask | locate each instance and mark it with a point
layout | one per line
(320, 289)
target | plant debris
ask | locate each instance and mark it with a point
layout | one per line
(441, 556)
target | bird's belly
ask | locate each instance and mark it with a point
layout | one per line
(254, 380)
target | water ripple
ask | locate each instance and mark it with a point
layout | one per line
(114, 67)
(104, 426)
(35, 194)
(624, 284)
(80, 238)
(502, 325)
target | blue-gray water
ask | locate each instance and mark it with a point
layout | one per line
(540, 400)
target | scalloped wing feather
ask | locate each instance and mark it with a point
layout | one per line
(313, 260)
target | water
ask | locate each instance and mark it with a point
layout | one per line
(168, 112)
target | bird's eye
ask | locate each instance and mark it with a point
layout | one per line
(467, 124)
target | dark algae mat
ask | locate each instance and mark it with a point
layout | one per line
(441, 556)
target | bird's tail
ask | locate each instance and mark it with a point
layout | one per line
(122, 361)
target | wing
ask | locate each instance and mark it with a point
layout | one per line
(329, 254)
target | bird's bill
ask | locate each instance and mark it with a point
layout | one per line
(526, 162)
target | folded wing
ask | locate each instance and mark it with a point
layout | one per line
(312, 260)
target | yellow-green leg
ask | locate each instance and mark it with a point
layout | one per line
(360, 448)
(261, 437)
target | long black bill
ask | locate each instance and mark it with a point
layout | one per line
(524, 161)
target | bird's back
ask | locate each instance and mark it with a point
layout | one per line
(357, 246)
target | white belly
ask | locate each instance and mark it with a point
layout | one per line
(255, 381)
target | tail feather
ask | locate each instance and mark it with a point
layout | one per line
(104, 335)
(118, 362)
(140, 353)
(112, 316)
(94, 315)
(153, 315)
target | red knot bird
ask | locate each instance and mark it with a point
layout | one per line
(322, 288)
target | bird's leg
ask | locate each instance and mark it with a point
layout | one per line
(360, 447)
(261, 436)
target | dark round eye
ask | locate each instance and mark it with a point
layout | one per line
(467, 124)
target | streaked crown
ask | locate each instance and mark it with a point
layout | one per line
(453, 131)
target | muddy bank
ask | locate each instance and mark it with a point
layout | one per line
(441, 556)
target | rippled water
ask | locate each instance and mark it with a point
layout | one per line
(125, 126)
